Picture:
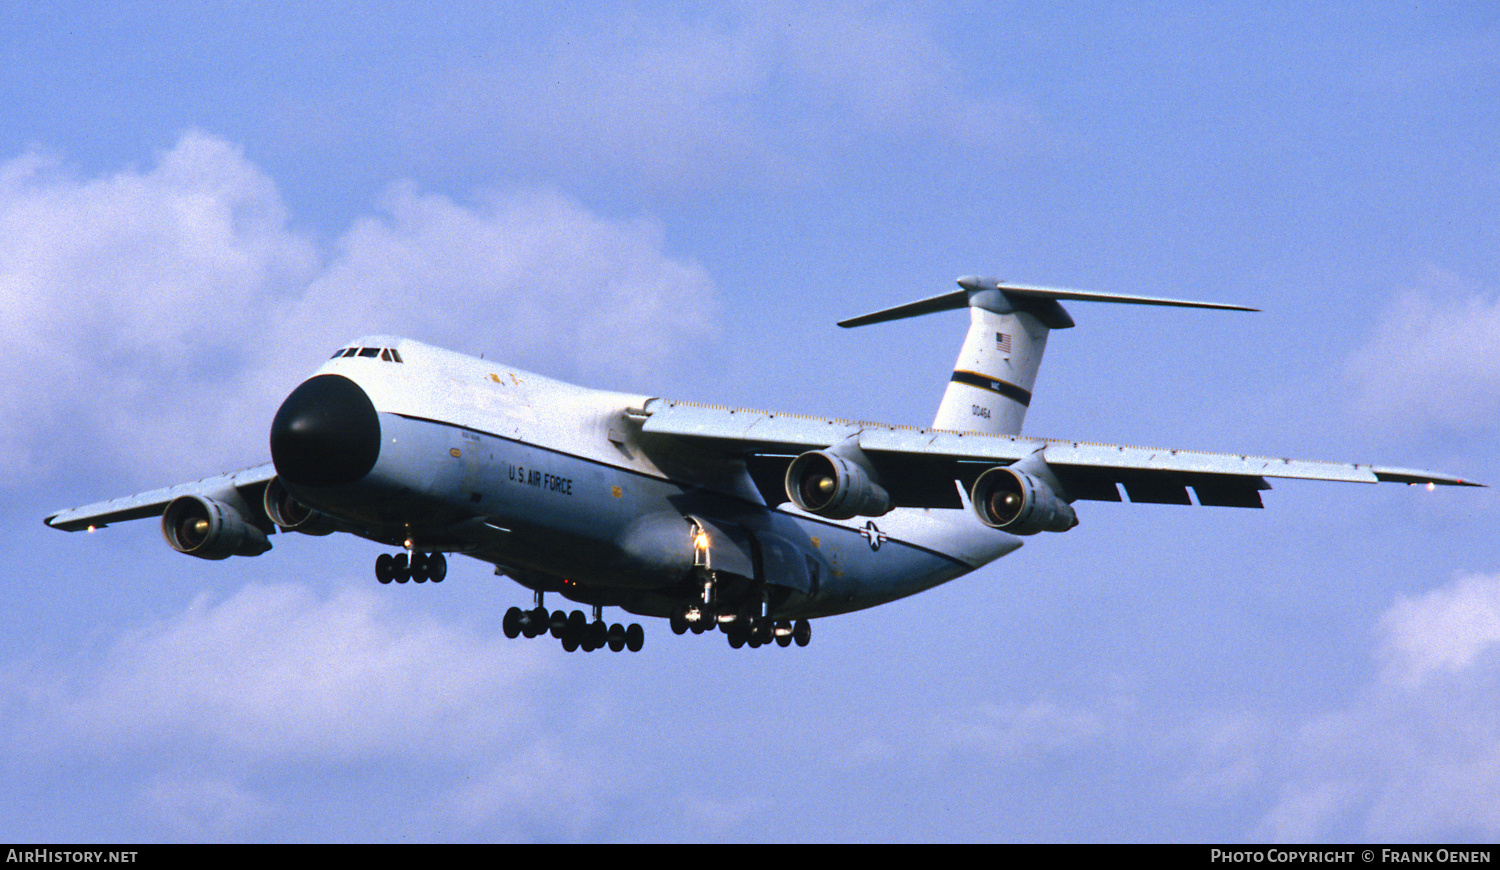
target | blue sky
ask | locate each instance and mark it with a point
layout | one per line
(198, 203)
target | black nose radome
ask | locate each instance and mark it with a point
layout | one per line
(326, 434)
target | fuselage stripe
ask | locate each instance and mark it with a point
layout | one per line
(807, 517)
(985, 382)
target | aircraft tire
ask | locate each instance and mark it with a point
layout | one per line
(635, 637)
(558, 624)
(418, 568)
(802, 632)
(512, 623)
(385, 568)
(616, 637)
(400, 569)
(437, 567)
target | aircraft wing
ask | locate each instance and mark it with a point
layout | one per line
(248, 484)
(918, 466)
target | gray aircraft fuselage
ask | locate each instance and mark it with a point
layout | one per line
(560, 489)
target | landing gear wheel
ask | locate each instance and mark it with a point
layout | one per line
(418, 568)
(437, 567)
(598, 634)
(616, 637)
(512, 623)
(783, 632)
(558, 623)
(802, 632)
(696, 617)
(535, 622)
(635, 637)
(400, 569)
(385, 568)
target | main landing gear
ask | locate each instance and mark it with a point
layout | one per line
(743, 629)
(748, 626)
(418, 567)
(573, 629)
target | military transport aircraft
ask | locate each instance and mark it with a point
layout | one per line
(748, 521)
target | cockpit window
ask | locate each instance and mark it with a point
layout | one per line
(388, 354)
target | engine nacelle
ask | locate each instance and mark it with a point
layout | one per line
(292, 515)
(1015, 501)
(833, 483)
(210, 529)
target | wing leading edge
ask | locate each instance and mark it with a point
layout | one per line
(919, 466)
(248, 484)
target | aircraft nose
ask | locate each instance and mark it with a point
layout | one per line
(326, 433)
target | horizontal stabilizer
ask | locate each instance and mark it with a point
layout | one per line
(946, 302)
(1017, 295)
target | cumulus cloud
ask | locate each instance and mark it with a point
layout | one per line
(153, 318)
(276, 671)
(1417, 754)
(209, 710)
(1431, 360)
(762, 90)
(121, 296)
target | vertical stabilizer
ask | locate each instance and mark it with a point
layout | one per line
(996, 370)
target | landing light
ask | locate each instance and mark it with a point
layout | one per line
(1431, 486)
(700, 541)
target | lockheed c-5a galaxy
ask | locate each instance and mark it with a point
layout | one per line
(746, 521)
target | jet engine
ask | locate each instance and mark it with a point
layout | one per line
(292, 515)
(210, 529)
(1018, 501)
(838, 483)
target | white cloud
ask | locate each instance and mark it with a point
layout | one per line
(1417, 754)
(1445, 631)
(122, 297)
(1431, 361)
(754, 91)
(220, 718)
(153, 319)
(277, 672)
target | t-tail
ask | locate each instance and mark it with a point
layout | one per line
(1008, 325)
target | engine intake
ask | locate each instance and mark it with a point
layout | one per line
(838, 483)
(210, 529)
(1017, 501)
(292, 515)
